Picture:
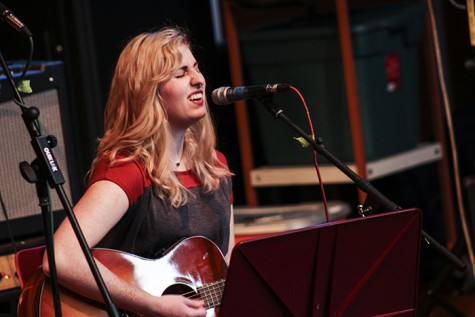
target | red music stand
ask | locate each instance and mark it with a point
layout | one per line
(358, 267)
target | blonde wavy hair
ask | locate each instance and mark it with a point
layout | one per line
(136, 121)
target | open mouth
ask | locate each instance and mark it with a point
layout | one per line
(196, 97)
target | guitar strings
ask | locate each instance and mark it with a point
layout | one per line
(218, 285)
(212, 293)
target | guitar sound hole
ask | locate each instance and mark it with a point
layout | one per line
(180, 289)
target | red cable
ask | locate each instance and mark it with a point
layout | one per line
(315, 161)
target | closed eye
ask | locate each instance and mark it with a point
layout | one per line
(182, 71)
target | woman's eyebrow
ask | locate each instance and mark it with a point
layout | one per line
(185, 67)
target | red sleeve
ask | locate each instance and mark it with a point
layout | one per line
(129, 176)
(189, 180)
(221, 158)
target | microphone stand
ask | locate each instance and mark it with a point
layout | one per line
(374, 199)
(45, 170)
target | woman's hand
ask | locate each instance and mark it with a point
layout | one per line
(179, 306)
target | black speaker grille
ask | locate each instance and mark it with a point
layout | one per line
(20, 197)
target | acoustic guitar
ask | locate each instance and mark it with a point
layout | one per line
(194, 267)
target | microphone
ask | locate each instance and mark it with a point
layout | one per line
(9, 18)
(227, 95)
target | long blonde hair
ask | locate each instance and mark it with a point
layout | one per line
(136, 122)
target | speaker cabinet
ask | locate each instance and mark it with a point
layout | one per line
(20, 197)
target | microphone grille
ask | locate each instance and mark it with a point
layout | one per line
(219, 96)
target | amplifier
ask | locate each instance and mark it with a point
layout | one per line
(20, 198)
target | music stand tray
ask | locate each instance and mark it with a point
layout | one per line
(357, 267)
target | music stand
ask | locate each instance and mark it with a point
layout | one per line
(358, 267)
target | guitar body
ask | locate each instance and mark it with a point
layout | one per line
(194, 265)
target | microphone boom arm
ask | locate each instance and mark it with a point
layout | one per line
(373, 194)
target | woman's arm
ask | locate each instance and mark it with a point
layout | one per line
(231, 236)
(101, 207)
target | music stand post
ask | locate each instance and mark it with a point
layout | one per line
(45, 170)
(375, 199)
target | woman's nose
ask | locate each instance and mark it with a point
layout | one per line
(196, 78)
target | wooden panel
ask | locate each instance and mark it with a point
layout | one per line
(9, 279)
(306, 175)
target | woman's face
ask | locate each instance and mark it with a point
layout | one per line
(184, 94)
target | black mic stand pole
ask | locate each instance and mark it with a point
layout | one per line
(374, 199)
(43, 170)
